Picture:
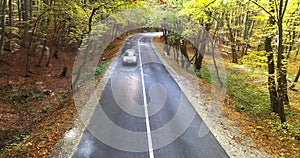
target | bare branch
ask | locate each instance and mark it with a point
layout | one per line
(285, 6)
(276, 8)
(280, 10)
(263, 9)
(210, 3)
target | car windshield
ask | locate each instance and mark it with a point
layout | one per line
(129, 52)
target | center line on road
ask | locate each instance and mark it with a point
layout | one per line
(149, 137)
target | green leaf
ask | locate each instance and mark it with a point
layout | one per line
(96, 5)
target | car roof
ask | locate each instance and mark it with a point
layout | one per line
(130, 50)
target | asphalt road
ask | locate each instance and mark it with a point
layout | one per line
(143, 113)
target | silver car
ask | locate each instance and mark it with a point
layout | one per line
(130, 57)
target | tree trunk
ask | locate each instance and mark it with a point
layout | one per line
(272, 86)
(59, 39)
(281, 77)
(201, 52)
(182, 61)
(246, 38)
(271, 76)
(10, 23)
(19, 10)
(25, 19)
(30, 5)
(44, 27)
(295, 80)
(200, 56)
(85, 58)
(215, 64)
(292, 40)
(30, 47)
(3, 4)
(177, 54)
(234, 55)
(64, 72)
(232, 41)
(54, 39)
(166, 45)
(183, 50)
(177, 47)
(43, 53)
(91, 18)
(49, 57)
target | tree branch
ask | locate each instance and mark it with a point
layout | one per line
(276, 8)
(210, 3)
(285, 6)
(263, 9)
(280, 10)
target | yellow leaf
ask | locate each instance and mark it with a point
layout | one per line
(29, 144)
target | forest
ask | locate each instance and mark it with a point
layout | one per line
(258, 42)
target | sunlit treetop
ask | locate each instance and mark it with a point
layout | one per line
(199, 9)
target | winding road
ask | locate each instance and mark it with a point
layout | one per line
(143, 113)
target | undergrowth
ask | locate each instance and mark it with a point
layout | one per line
(248, 88)
(249, 97)
(94, 72)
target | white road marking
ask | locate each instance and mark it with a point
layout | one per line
(149, 137)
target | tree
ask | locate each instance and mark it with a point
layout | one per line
(25, 4)
(271, 67)
(10, 25)
(295, 80)
(232, 40)
(201, 12)
(3, 4)
(277, 105)
(248, 28)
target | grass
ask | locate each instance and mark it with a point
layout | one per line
(100, 68)
(94, 72)
(249, 97)
(204, 74)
